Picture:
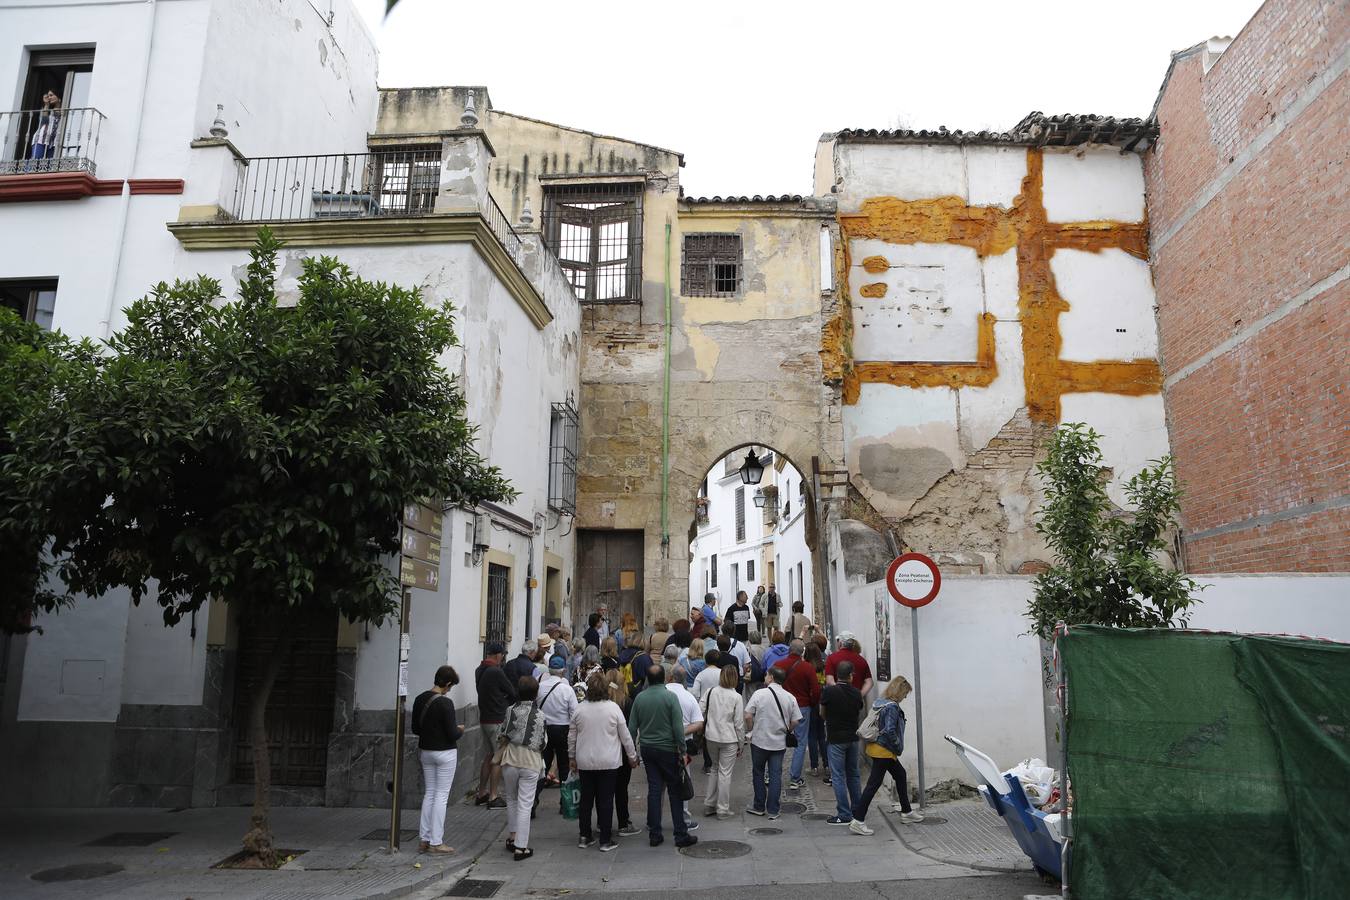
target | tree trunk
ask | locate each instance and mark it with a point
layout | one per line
(258, 840)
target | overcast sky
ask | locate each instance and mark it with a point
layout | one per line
(744, 88)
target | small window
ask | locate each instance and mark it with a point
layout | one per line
(740, 514)
(711, 266)
(749, 571)
(562, 467)
(735, 577)
(32, 301)
(712, 572)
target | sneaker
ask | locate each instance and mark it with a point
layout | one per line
(723, 816)
(859, 827)
(586, 843)
(910, 818)
(499, 803)
(628, 829)
(774, 815)
(814, 772)
(828, 782)
(656, 840)
(608, 846)
(796, 784)
(710, 810)
(688, 841)
(754, 812)
(691, 824)
(707, 770)
(835, 820)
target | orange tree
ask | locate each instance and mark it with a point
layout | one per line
(254, 452)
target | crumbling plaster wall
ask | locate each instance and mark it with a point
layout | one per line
(988, 294)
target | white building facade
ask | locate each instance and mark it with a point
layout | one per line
(181, 147)
(751, 535)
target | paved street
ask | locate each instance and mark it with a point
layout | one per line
(171, 854)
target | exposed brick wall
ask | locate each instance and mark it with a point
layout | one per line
(1259, 429)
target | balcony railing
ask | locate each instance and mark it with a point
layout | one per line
(497, 221)
(39, 141)
(337, 186)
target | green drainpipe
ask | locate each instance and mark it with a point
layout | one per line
(665, 415)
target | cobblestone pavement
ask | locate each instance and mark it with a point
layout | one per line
(183, 845)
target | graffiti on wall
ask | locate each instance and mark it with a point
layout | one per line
(989, 231)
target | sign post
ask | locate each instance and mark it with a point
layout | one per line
(914, 580)
(419, 568)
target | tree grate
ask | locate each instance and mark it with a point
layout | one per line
(792, 808)
(77, 872)
(131, 839)
(474, 887)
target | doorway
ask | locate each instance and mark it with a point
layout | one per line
(609, 571)
(300, 709)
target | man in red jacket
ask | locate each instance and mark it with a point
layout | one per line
(801, 683)
(848, 650)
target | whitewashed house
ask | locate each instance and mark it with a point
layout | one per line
(172, 148)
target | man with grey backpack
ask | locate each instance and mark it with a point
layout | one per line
(883, 733)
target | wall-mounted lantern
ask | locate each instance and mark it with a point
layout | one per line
(751, 470)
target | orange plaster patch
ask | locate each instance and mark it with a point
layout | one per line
(873, 291)
(989, 231)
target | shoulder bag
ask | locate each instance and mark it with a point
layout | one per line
(789, 735)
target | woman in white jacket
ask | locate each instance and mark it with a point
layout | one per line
(724, 731)
(598, 743)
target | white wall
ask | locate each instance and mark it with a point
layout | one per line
(981, 672)
(900, 441)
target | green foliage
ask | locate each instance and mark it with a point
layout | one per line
(1107, 569)
(252, 451)
(34, 363)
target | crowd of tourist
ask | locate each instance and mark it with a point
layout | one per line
(592, 709)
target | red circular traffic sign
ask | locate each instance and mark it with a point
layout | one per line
(913, 580)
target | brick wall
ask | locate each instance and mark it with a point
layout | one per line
(1249, 212)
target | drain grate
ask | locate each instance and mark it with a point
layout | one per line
(474, 887)
(792, 807)
(760, 832)
(131, 839)
(716, 850)
(77, 872)
(405, 835)
(816, 817)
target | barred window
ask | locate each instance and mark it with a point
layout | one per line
(595, 231)
(711, 265)
(712, 571)
(749, 571)
(740, 514)
(562, 465)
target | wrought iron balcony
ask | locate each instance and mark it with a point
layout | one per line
(379, 184)
(43, 141)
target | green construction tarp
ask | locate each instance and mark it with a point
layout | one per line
(1207, 765)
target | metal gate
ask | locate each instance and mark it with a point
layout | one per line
(609, 570)
(300, 709)
(499, 603)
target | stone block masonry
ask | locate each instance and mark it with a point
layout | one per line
(1248, 211)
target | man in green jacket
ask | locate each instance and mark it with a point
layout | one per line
(658, 727)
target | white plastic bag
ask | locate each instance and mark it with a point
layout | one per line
(1037, 779)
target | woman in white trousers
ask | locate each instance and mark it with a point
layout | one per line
(521, 758)
(434, 723)
(724, 732)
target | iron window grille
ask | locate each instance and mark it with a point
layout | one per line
(562, 464)
(711, 265)
(595, 231)
(749, 571)
(498, 603)
(740, 514)
(712, 571)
